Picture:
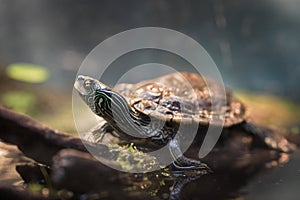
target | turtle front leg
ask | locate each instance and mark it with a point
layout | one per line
(181, 162)
(97, 133)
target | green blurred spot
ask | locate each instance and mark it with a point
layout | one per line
(22, 102)
(27, 72)
(35, 187)
(295, 130)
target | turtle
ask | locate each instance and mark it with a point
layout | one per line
(167, 101)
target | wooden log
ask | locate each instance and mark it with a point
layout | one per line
(32, 173)
(36, 140)
(14, 192)
(80, 172)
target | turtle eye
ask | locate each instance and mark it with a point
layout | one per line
(87, 84)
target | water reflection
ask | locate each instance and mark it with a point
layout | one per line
(222, 184)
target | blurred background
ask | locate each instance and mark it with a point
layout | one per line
(255, 45)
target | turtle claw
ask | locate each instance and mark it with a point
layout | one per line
(196, 166)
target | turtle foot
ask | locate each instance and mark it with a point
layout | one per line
(185, 164)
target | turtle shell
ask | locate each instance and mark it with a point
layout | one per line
(184, 97)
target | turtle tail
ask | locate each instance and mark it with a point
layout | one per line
(268, 137)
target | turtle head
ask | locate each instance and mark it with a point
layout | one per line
(110, 105)
(94, 93)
